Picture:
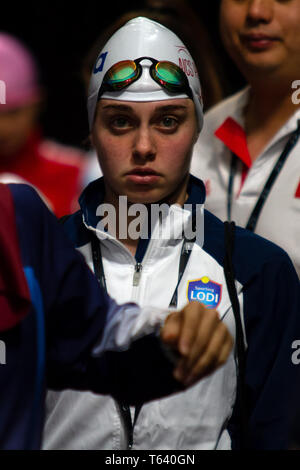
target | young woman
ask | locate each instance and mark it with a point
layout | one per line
(145, 114)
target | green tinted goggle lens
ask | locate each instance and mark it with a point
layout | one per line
(121, 73)
(170, 74)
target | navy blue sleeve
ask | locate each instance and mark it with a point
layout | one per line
(272, 322)
(75, 312)
(73, 304)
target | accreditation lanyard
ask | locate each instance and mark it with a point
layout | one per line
(186, 250)
(252, 221)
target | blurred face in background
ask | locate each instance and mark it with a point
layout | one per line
(16, 125)
(262, 36)
(144, 148)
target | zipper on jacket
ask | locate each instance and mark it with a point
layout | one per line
(129, 425)
(137, 274)
(125, 412)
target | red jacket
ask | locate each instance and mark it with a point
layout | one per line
(54, 169)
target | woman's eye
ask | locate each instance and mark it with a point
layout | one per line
(120, 122)
(169, 122)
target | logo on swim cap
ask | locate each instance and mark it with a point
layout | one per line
(186, 63)
(100, 62)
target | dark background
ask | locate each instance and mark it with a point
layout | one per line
(59, 34)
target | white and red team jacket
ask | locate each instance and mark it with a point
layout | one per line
(198, 418)
(222, 134)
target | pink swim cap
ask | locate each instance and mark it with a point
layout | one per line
(18, 74)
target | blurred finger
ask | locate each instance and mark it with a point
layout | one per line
(170, 332)
(192, 318)
(208, 327)
(215, 355)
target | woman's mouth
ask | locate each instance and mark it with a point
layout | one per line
(143, 176)
(258, 42)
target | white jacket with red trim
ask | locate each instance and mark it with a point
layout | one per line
(279, 220)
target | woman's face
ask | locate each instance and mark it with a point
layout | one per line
(144, 148)
(262, 36)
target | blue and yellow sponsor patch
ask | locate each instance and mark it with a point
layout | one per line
(205, 291)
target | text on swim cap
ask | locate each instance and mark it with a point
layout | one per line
(100, 62)
(188, 67)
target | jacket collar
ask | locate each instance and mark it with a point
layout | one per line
(93, 196)
(234, 114)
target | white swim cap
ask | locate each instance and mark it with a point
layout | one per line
(141, 37)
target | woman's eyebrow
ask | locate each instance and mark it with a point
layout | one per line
(124, 107)
(171, 107)
(120, 107)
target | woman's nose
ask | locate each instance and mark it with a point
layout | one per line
(260, 11)
(144, 146)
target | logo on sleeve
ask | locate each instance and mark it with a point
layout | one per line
(205, 291)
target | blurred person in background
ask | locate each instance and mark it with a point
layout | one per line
(54, 169)
(248, 151)
(180, 17)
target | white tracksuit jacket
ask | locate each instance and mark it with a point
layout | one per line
(268, 292)
(223, 132)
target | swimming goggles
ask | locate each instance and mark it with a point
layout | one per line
(124, 73)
